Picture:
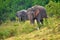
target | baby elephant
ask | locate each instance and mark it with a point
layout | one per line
(22, 15)
(36, 13)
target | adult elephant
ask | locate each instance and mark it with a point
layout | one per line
(36, 13)
(22, 15)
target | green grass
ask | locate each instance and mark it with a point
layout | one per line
(26, 31)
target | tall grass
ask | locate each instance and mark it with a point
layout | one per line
(10, 29)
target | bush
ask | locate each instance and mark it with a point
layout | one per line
(53, 9)
(14, 28)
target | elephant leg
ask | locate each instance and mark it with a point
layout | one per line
(41, 21)
(38, 22)
(32, 21)
(20, 19)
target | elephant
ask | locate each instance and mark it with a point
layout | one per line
(22, 15)
(37, 13)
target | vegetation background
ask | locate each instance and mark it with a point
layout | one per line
(9, 27)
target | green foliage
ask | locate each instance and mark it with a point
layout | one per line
(55, 0)
(53, 8)
(40, 2)
(7, 32)
(10, 29)
(8, 8)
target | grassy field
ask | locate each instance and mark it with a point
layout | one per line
(25, 31)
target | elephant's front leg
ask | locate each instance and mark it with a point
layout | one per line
(41, 21)
(20, 19)
(38, 23)
(32, 21)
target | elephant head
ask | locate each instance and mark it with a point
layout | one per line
(36, 13)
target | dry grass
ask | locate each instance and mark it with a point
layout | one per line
(26, 31)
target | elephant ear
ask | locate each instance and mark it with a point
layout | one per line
(37, 12)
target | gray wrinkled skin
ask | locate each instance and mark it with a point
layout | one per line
(36, 13)
(22, 15)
